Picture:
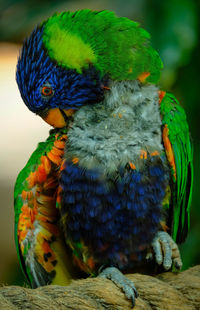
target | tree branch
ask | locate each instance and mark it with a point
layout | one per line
(168, 291)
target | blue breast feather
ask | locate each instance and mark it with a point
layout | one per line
(114, 215)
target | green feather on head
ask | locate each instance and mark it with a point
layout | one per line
(114, 45)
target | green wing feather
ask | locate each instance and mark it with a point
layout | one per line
(21, 185)
(174, 118)
(41, 248)
(31, 166)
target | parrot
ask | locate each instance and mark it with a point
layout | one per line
(110, 190)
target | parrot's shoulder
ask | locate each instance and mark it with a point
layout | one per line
(35, 159)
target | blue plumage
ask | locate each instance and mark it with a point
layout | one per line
(113, 215)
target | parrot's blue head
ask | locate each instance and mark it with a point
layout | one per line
(50, 90)
(67, 60)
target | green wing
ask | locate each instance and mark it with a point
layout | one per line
(21, 185)
(38, 240)
(178, 147)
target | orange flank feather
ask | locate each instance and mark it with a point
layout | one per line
(26, 220)
(63, 165)
(39, 216)
(154, 153)
(46, 164)
(91, 263)
(58, 200)
(161, 95)
(75, 160)
(54, 158)
(143, 154)
(50, 183)
(59, 138)
(56, 151)
(69, 112)
(132, 166)
(31, 180)
(26, 195)
(164, 226)
(142, 77)
(87, 266)
(168, 149)
(59, 144)
(56, 154)
(106, 87)
(130, 70)
(41, 174)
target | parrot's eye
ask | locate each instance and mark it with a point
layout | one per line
(46, 91)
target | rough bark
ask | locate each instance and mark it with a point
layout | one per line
(166, 291)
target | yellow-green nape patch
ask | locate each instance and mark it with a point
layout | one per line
(116, 46)
(66, 48)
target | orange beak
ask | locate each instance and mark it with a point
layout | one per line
(58, 117)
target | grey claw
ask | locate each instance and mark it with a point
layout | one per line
(166, 251)
(149, 256)
(178, 264)
(126, 285)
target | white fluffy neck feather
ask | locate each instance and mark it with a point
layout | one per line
(109, 134)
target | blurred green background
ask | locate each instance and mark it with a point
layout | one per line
(174, 28)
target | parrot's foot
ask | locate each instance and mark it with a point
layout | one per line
(126, 285)
(166, 251)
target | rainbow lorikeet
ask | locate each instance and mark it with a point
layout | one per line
(111, 186)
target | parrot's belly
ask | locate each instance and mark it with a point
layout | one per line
(112, 220)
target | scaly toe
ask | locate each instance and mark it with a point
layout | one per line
(126, 285)
(166, 251)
